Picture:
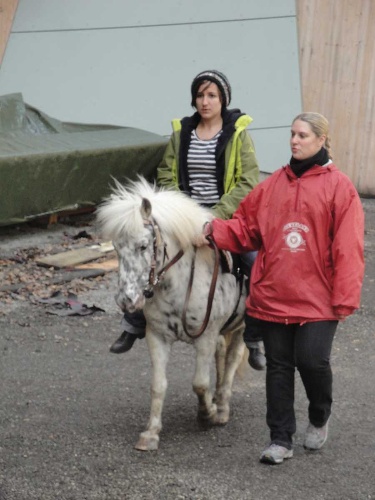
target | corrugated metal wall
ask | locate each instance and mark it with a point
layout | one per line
(337, 60)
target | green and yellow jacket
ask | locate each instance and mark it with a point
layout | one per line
(236, 165)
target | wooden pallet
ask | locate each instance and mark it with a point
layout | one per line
(72, 258)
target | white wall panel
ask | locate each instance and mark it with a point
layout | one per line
(140, 77)
(272, 146)
(40, 15)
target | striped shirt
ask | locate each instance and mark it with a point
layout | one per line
(201, 164)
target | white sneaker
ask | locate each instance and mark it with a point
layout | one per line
(275, 454)
(315, 437)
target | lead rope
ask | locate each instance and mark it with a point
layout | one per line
(211, 292)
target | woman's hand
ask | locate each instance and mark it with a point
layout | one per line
(341, 317)
(342, 312)
(201, 240)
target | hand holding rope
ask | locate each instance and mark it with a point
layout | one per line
(205, 238)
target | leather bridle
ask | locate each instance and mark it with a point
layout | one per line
(155, 278)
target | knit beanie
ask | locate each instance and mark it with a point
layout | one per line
(216, 77)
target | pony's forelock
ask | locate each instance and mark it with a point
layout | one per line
(177, 215)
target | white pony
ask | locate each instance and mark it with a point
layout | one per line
(152, 231)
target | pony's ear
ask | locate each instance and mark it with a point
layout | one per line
(146, 208)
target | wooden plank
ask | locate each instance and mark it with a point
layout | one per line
(72, 258)
(106, 265)
(7, 11)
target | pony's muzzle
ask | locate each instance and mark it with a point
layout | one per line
(148, 293)
(129, 302)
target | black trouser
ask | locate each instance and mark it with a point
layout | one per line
(253, 329)
(307, 347)
(134, 323)
(253, 332)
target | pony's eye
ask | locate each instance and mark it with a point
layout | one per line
(143, 248)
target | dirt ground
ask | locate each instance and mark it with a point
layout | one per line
(70, 411)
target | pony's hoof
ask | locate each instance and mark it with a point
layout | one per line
(221, 419)
(207, 416)
(147, 443)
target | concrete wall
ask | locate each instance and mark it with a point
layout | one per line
(131, 62)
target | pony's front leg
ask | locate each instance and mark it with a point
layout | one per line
(159, 353)
(205, 348)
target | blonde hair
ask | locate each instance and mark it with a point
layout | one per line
(319, 125)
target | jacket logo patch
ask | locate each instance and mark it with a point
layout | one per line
(293, 236)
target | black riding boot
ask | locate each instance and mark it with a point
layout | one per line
(134, 325)
(253, 339)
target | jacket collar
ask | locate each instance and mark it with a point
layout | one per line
(315, 170)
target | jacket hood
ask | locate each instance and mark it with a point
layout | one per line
(235, 118)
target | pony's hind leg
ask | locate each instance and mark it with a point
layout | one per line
(234, 355)
(220, 357)
(205, 348)
(159, 353)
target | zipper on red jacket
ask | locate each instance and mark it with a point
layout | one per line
(297, 194)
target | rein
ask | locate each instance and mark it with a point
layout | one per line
(148, 292)
(211, 292)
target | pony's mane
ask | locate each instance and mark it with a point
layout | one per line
(177, 215)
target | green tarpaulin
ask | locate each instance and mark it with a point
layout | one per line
(48, 166)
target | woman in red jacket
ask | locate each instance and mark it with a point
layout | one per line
(306, 221)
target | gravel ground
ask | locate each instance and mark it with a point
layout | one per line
(71, 412)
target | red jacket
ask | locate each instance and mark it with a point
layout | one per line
(310, 235)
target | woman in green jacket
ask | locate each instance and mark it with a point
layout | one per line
(210, 156)
(234, 170)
